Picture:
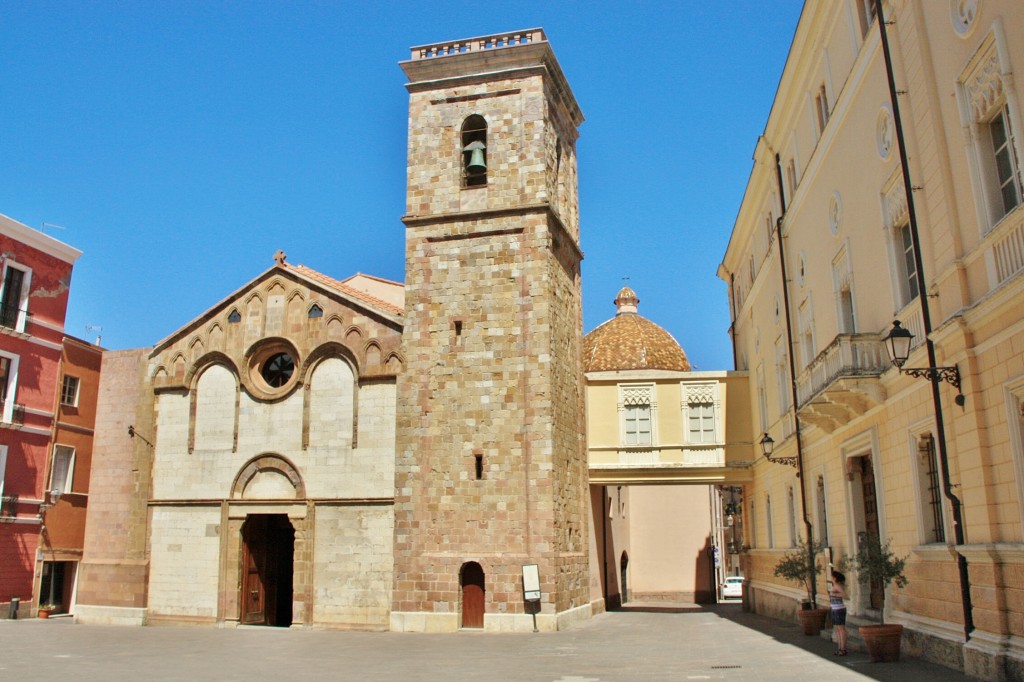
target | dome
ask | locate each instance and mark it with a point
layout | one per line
(629, 341)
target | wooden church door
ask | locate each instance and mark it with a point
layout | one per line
(472, 595)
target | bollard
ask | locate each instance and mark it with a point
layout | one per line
(13, 613)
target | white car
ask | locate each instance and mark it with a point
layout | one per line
(732, 588)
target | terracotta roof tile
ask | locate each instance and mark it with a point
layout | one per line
(345, 289)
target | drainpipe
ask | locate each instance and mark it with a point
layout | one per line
(792, 381)
(947, 488)
(604, 542)
(732, 319)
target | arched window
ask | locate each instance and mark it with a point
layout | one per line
(474, 151)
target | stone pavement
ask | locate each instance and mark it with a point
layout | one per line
(657, 643)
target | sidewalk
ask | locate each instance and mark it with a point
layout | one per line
(661, 642)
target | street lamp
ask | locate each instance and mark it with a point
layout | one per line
(897, 344)
(768, 447)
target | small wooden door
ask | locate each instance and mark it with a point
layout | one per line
(254, 561)
(472, 595)
(867, 481)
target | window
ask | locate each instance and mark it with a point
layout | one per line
(699, 412)
(753, 523)
(930, 484)
(782, 375)
(791, 509)
(822, 514)
(701, 418)
(63, 469)
(985, 88)
(821, 107)
(762, 400)
(636, 403)
(806, 319)
(638, 425)
(69, 391)
(3, 471)
(278, 369)
(315, 311)
(791, 178)
(8, 386)
(474, 151)
(909, 283)
(14, 296)
(866, 15)
(234, 317)
(847, 322)
(1005, 164)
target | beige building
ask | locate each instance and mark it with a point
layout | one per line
(939, 246)
(662, 440)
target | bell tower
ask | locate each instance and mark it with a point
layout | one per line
(491, 470)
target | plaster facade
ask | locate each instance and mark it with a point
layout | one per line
(35, 276)
(877, 457)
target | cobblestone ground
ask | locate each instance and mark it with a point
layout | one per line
(657, 643)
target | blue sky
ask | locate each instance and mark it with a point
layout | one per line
(180, 144)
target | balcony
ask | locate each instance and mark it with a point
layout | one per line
(843, 381)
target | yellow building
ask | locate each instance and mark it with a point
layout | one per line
(656, 437)
(892, 202)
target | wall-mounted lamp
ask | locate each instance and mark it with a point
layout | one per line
(768, 447)
(132, 433)
(897, 343)
(50, 499)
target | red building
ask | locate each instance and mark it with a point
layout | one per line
(35, 274)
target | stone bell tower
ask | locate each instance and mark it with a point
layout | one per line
(491, 470)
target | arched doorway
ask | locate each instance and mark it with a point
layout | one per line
(624, 564)
(472, 580)
(268, 554)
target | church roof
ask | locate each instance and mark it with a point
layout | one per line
(357, 287)
(629, 341)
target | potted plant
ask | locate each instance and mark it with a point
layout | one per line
(875, 562)
(800, 566)
(46, 609)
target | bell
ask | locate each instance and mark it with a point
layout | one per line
(476, 157)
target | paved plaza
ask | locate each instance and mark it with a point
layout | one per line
(657, 643)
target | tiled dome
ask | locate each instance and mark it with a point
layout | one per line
(629, 341)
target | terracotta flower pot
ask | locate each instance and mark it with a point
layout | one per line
(882, 642)
(43, 613)
(813, 620)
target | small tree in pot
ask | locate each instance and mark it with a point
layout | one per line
(876, 563)
(799, 565)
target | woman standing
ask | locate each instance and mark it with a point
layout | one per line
(835, 597)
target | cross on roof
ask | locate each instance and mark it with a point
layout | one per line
(280, 256)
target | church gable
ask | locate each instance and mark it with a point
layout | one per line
(288, 310)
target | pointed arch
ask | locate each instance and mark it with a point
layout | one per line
(372, 354)
(394, 362)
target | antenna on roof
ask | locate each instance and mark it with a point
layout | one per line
(95, 328)
(42, 228)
